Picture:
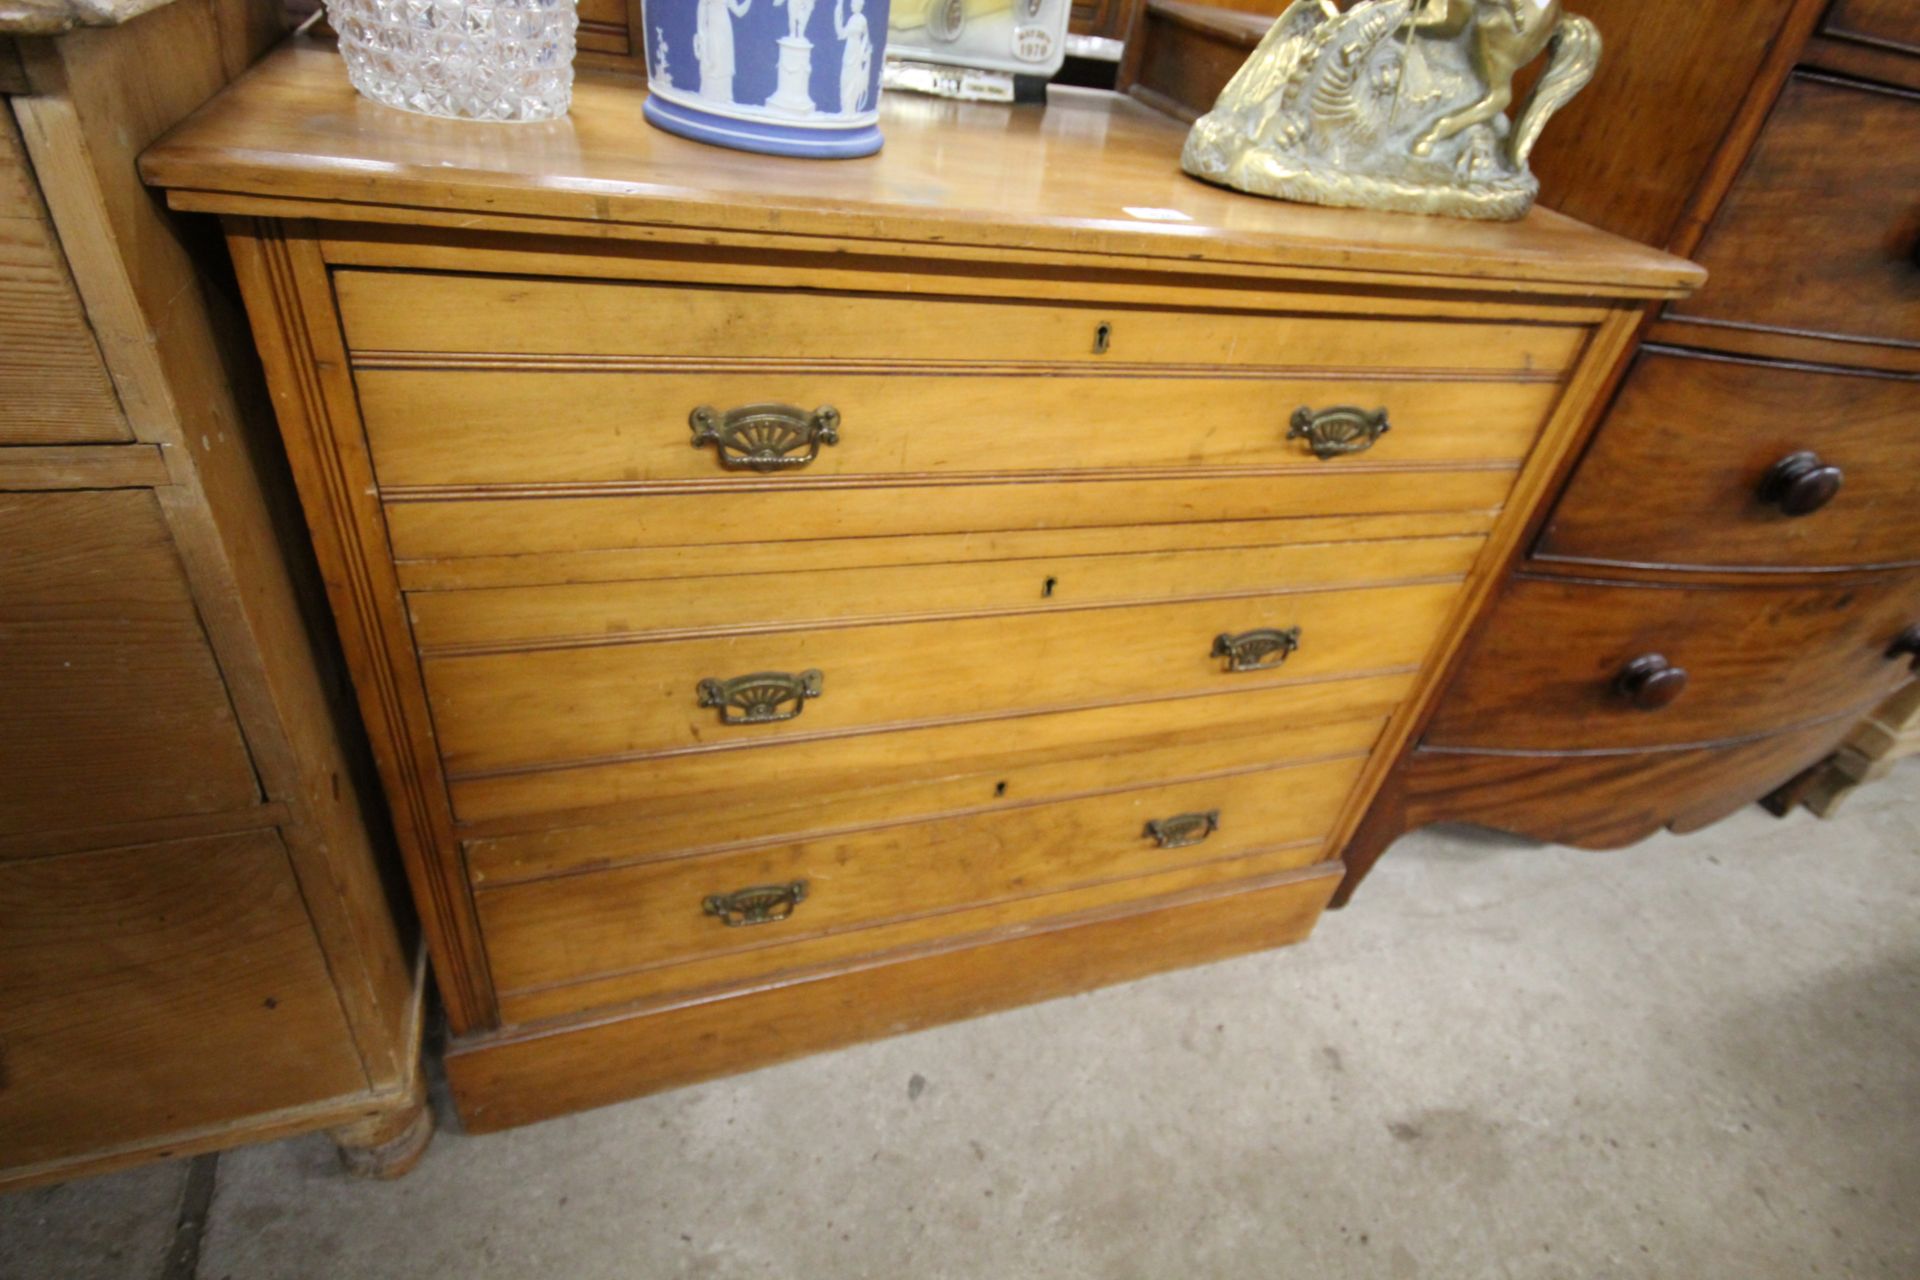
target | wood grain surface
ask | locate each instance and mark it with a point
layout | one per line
(1675, 477)
(801, 785)
(1819, 235)
(518, 1077)
(395, 315)
(1760, 659)
(471, 427)
(54, 388)
(1060, 181)
(512, 710)
(599, 612)
(575, 927)
(159, 988)
(112, 709)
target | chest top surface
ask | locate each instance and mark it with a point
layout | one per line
(1092, 174)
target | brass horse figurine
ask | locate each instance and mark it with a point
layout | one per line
(1506, 36)
(1395, 104)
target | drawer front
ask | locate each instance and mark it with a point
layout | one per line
(1895, 22)
(503, 711)
(1547, 673)
(1820, 231)
(159, 988)
(753, 513)
(716, 799)
(458, 427)
(114, 710)
(398, 312)
(1709, 462)
(452, 621)
(578, 927)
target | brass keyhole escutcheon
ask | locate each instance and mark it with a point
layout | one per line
(1102, 337)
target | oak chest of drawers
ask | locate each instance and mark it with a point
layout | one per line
(798, 602)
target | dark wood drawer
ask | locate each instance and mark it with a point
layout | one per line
(1544, 674)
(1895, 22)
(1680, 472)
(1819, 233)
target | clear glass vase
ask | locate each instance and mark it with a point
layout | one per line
(507, 60)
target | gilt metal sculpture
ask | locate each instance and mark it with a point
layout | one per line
(1395, 104)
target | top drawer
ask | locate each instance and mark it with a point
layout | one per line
(393, 312)
(1820, 231)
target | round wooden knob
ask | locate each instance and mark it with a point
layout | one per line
(1907, 645)
(1800, 484)
(1650, 682)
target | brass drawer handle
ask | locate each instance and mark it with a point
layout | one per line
(1255, 650)
(765, 697)
(1183, 829)
(763, 437)
(1341, 430)
(761, 904)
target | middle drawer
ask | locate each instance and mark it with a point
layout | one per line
(581, 700)
(473, 427)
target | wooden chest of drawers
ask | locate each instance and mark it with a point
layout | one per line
(795, 602)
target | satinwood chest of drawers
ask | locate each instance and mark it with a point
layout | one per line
(795, 602)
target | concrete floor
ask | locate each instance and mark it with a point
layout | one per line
(1696, 1058)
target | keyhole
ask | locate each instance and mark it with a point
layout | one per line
(1046, 588)
(1000, 788)
(1102, 338)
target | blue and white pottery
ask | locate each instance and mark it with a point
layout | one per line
(787, 77)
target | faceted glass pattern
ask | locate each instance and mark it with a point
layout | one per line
(471, 59)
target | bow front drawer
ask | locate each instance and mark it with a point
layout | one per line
(1776, 467)
(1586, 666)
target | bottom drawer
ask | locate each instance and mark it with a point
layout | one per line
(1607, 801)
(523, 1075)
(573, 929)
(159, 988)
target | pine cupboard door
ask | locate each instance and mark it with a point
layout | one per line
(112, 709)
(158, 989)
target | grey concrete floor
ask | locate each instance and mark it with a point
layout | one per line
(1696, 1058)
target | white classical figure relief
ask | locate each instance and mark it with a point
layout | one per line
(798, 14)
(661, 75)
(792, 94)
(856, 55)
(713, 46)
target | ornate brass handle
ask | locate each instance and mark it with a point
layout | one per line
(765, 697)
(1183, 829)
(761, 904)
(1333, 432)
(763, 437)
(1255, 650)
